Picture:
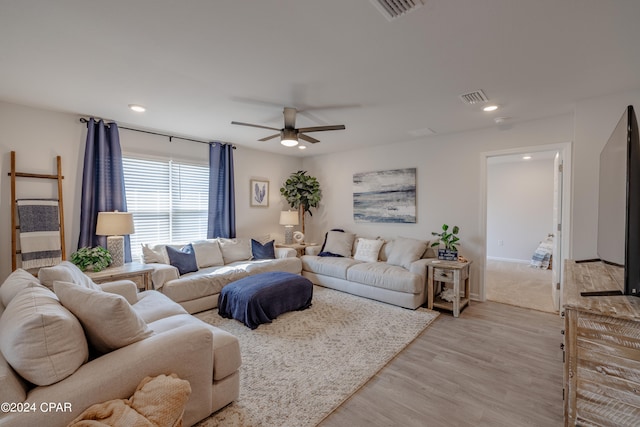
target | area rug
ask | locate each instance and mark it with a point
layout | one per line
(298, 369)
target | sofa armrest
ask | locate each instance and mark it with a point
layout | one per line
(186, 351)
(162, 273)
(285, 253)
(420, 267)
(126, 288)
(312, 250)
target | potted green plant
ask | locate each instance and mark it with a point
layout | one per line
(95, 259)
(302, 192)
(450, 242)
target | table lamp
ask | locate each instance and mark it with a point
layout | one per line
(115, 225)
(288, 219)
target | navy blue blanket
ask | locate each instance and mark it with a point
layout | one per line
(263, 297)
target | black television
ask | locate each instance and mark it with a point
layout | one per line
(619, 201)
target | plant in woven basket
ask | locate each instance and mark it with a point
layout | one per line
(96, 259)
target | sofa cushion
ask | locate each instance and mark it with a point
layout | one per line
(367, 250)
(208, 253)
(205, 282)
(40, 338)
(14, 283)
(108, 319)
(184, 259)
(262, 251)
(65, 272)
(404, 251)
(153, 305)
(13, 388)
(386, 276)
(235, 249)
(338, 243)
(226, 347)
(328, 266)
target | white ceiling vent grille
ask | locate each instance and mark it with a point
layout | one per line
(475, 97)
(392, 9)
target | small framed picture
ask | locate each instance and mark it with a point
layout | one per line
(259, 193)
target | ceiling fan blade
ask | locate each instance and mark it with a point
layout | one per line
(266, 138)
(307, 138)
(322, 128)
(254, 126)
(289, 118)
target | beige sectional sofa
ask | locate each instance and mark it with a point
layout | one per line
(392, 271)
(219, 262)
(87, 344)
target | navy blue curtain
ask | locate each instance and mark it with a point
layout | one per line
(222, 200)
(102, 182)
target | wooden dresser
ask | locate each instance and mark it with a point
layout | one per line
(602, 349)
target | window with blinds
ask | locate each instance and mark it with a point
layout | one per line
(168, 200)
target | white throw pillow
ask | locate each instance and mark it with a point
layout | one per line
(41, 339)
(367, 250)
(65, 272)
(339, 243)
(107, 319)
(208, 253)
(154, 254)
(404, 251)
(235, 249)
(17, 281)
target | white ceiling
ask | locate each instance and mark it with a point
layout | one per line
(199, 64)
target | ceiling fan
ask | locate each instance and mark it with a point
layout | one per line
(289, 135)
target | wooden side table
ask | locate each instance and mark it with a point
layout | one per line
(454, 273)
(299, 247)
(138, 273)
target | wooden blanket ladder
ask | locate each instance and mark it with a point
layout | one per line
(14, 209)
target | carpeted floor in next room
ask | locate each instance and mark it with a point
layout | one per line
(302, 366)
(520, 285)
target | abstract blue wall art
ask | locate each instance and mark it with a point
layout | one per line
(385, 196)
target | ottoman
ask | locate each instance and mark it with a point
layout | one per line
(261, 298)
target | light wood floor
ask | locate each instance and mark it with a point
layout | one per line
(495, 365)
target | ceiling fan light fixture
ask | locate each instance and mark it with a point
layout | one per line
(288, 138)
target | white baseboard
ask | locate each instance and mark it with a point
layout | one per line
(517, 261)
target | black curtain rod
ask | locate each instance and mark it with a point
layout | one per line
(171, 137)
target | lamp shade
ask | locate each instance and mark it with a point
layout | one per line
(289, 218)
(114, 224)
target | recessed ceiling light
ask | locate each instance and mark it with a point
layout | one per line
(137, 108)
(490, 108)
(527, 157)
(302, 147)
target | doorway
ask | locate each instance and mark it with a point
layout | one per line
(525, 197)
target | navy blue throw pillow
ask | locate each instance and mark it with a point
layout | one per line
(184, 259)
(261, 251)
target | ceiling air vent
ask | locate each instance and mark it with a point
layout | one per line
(475, 97)
(392, 9)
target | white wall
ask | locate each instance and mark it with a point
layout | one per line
(38, 136)
(449, 183)
(595, 120)
(519, 207)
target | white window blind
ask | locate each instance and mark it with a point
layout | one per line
(168, 200)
